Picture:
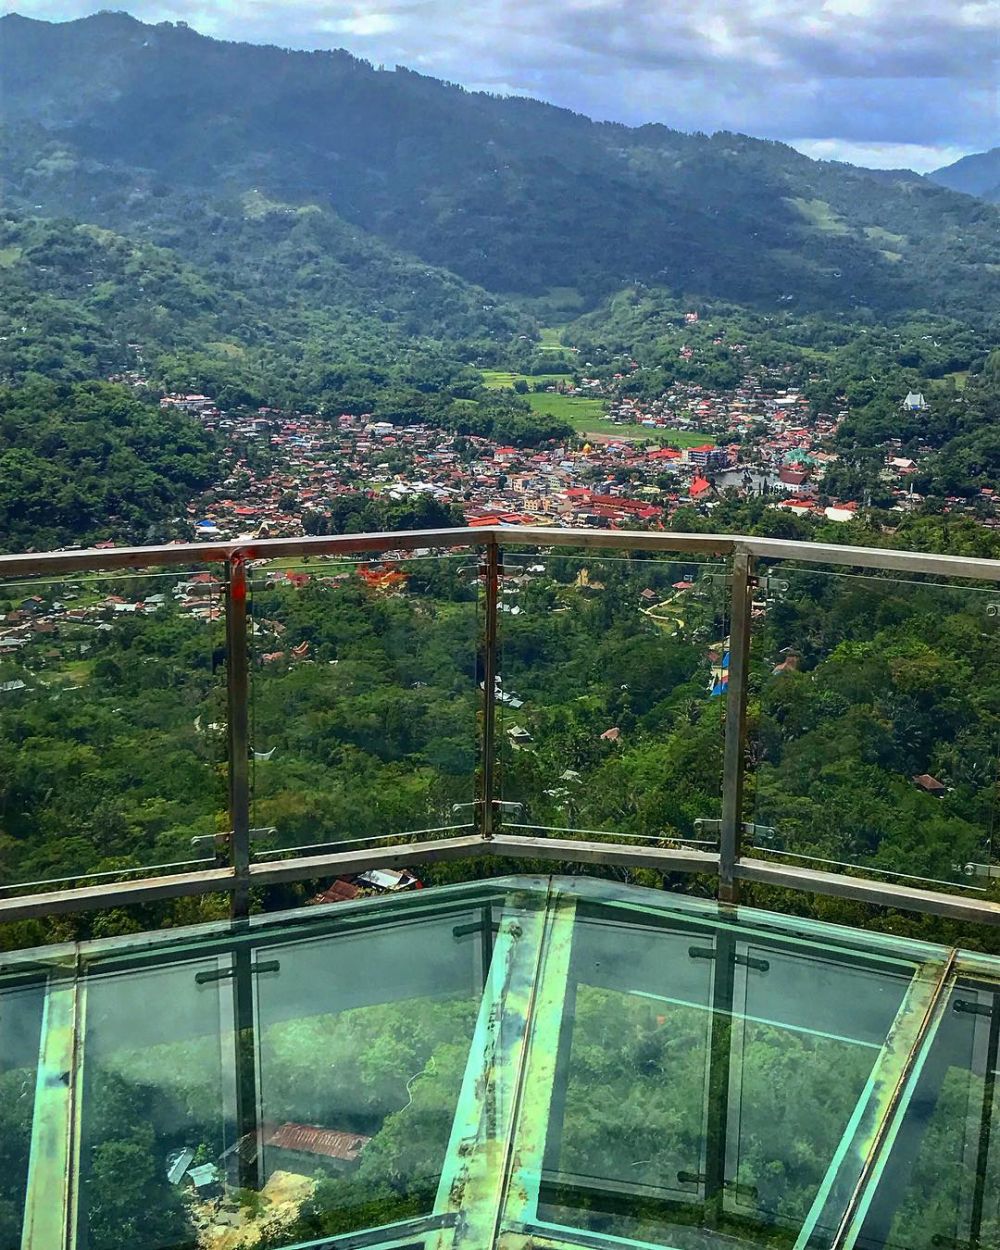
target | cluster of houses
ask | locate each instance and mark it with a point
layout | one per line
(760, 439)
(282, 471)
(280, 467)
(39, 625)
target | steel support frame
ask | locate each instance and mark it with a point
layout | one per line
(238, 700)
(541, 1061)
(476, 1165)
(877, 1181)
(50, 1199)
(487, 805)
(733, 764)
(473, 846)
(54, 563)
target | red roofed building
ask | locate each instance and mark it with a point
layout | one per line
(377, 577)
(699, 487)
(340, 891)
(631, 507)
(307, 1141)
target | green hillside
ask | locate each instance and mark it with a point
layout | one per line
(294, 309)
(510, 194)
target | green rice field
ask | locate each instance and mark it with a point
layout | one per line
(497, 379)
(586, 416)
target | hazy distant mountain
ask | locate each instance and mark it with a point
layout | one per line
(978, 174)
(159, 131)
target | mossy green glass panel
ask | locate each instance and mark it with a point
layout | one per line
(157, 1111)
(363, 1040)
(808, 1026)
(528, 1063)
(21, 1010)
(708, 1074)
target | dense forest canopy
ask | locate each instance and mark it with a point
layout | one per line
(84, 462)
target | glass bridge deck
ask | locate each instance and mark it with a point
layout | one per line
(520, 1063)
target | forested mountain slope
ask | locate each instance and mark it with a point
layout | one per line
(156, 128)
(978, 174)
(84, 462)
(290, 299)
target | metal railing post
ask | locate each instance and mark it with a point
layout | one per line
(238, 691)
(730, 835)
(490, 670)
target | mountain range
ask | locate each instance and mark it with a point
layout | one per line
(978, 174)
(261, 164)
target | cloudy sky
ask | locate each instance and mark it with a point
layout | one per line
(877, 82)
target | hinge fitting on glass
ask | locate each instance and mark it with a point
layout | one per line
(966, 1007)
(982, 870)
(220, 841)
(699, 1178)
(227, 974)
(705, 825)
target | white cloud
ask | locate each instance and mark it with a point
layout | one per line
(921, 158)
(364, 25)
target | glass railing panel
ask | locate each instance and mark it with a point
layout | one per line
(705, 1077)
(364, 702)
(611, 695)
(873, 725)
(940, 1183)
(360, 1075)
(112, 725)
(158, 1110)
(21, 1007)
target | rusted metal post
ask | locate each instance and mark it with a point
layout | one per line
(736, 719)
(248, 1148)
(491, 666)
(238, 690)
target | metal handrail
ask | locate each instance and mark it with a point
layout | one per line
(93, 559)
(729, 864)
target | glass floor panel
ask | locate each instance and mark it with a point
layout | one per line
(522, 1063)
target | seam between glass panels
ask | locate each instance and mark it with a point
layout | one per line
(752, 932)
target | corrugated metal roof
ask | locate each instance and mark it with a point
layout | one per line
(310, 1139)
